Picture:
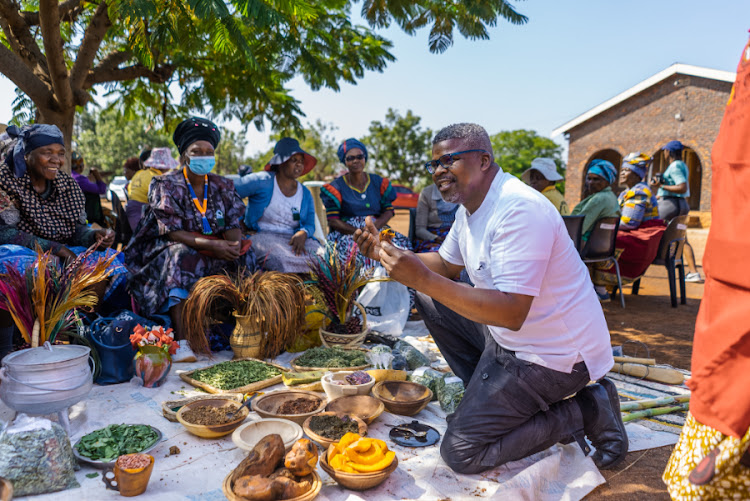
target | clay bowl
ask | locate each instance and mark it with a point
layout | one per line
(249, 434)
(213, 430)
(403, 397)
(6, 490)
(365, 407)
(267, 406)
(325, 442)
(334, 391)
(313, 478)
(357, 481)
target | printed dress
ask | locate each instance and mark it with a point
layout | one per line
(162, 270)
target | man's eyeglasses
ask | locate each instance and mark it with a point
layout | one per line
(446, 160)
(352, 158)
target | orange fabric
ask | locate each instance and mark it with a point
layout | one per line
(721, 348)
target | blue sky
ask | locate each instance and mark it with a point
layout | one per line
(569, 57)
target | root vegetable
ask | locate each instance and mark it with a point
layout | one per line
(257, 488)
(302, 459)
(263, 459)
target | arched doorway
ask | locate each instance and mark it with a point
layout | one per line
(609, 155)
(695, 172)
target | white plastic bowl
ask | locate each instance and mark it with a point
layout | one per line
(249, 434)
(334, 391)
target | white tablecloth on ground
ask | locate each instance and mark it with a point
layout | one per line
(561, 472)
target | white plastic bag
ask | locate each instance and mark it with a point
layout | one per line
(386, 304)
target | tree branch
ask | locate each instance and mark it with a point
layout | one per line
(159, 74)
(24, 78)
(20, 38)
(92, 40)
(69, 8)
(49, 21)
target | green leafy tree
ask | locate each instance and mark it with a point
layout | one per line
(230, 59)
(398, 148)
(230, 153)
(105, 139)
(515, 149)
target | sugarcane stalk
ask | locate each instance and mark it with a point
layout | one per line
(638, 405)
(655, 411)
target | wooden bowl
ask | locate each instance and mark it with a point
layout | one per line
(249, 434)
(325, 442)
(365, 407)
(334, 391)
(357, 481)
(213, 430)
(267, 405)
(314, 478)
(403, 397)
(6, 490)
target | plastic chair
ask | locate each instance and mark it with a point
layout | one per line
(600, 247)
(123, 232)
(670, 255)
(413, 226)
(574, 225)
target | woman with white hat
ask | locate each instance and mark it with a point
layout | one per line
(542, 176)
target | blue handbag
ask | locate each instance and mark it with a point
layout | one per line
(111, 337)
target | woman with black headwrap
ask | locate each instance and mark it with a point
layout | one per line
(190, 229)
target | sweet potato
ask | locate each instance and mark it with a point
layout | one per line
(303, 458)
(263, 459)
(289, 488)
(257, 488)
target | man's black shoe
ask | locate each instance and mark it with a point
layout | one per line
(602, 423)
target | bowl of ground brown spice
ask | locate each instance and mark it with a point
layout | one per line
(211, 418)
(294, 405)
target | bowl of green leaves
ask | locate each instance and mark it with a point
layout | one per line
(102, 447)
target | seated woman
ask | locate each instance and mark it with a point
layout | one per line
(600, 201)
(190, 229)
(280, 210)
(43, 208)
(640, 229)
(159, 161)
(434, 219)
(349, 199)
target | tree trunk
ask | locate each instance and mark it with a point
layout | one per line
(65, 122)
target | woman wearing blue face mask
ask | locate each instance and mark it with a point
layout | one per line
(190, 229)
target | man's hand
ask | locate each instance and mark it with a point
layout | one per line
(105, 238)
(66, 255)
(225, 249)
(368, 240)
(401, 265)
(298, 242)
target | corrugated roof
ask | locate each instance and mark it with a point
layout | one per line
(678, 68)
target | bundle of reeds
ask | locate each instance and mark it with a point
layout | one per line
(273, 301)
(337, 277)
(43, 298)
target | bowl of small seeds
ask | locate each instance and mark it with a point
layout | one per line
(212, 418)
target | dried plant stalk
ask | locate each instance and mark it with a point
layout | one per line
(209, 295)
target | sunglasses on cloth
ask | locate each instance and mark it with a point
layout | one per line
(352, 158)
(446, 160)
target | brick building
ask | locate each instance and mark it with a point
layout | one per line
(682, 102)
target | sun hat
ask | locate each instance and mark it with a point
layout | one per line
(674, 146)
(162, 159)
(545, 166)
(285, 149)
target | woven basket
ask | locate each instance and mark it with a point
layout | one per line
(346, 341)
(246, 342)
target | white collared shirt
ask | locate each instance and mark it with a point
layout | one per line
(516, 242)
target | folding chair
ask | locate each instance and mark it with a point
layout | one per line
(123, 232)
(670, 255)
(600, 247)
(574, 225)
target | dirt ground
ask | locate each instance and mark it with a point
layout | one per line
(668, 333)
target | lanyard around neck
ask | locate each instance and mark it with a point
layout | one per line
(201, 207)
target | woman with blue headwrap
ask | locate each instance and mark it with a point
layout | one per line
(42, 207)
(350, 198)
(600, 200)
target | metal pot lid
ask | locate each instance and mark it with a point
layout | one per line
(46, 354)
(414, 434)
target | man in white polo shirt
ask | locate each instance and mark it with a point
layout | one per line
(529, 333)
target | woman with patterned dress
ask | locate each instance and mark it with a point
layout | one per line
(280, 209)
(640, 228)
(43, 208)
(189, 230)
(350, 198)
